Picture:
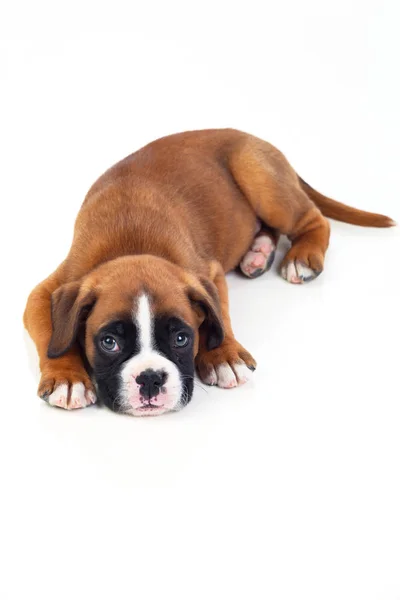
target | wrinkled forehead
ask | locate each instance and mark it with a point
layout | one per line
(142, 307)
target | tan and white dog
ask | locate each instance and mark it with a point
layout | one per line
(141, 299)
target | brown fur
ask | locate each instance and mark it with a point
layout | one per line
(173, 218)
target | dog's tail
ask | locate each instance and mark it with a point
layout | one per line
(342, 212)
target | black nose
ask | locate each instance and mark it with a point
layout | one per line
(150, 382)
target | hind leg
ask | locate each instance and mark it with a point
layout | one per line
(305, 259)
(260, 256)
(272, 188)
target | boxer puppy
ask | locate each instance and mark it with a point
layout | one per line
(141, 299)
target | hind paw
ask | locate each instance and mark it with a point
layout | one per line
(296, 271)
(260, 257)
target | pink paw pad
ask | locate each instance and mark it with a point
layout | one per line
(260, 256)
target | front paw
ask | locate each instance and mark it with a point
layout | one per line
(67, 391)
(227, 366)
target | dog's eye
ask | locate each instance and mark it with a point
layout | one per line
(109, 344)
(181, 339)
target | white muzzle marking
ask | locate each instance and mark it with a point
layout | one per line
(131, 399)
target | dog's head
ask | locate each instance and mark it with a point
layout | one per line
(138, 320)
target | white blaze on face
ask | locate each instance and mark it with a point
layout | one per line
(148, 359)
(144, 323)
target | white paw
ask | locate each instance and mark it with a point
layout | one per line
(71, 397)
(228, 376)
(260, 256)
(297, 272)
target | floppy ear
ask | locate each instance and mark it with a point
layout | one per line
(70, 305)
(205, 298)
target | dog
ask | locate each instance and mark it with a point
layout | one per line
(141, 299)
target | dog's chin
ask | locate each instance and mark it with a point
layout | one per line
(136, 407)
(166, 401)
(163, 403)
(148, 411)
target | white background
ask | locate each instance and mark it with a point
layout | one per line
(286, 488)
